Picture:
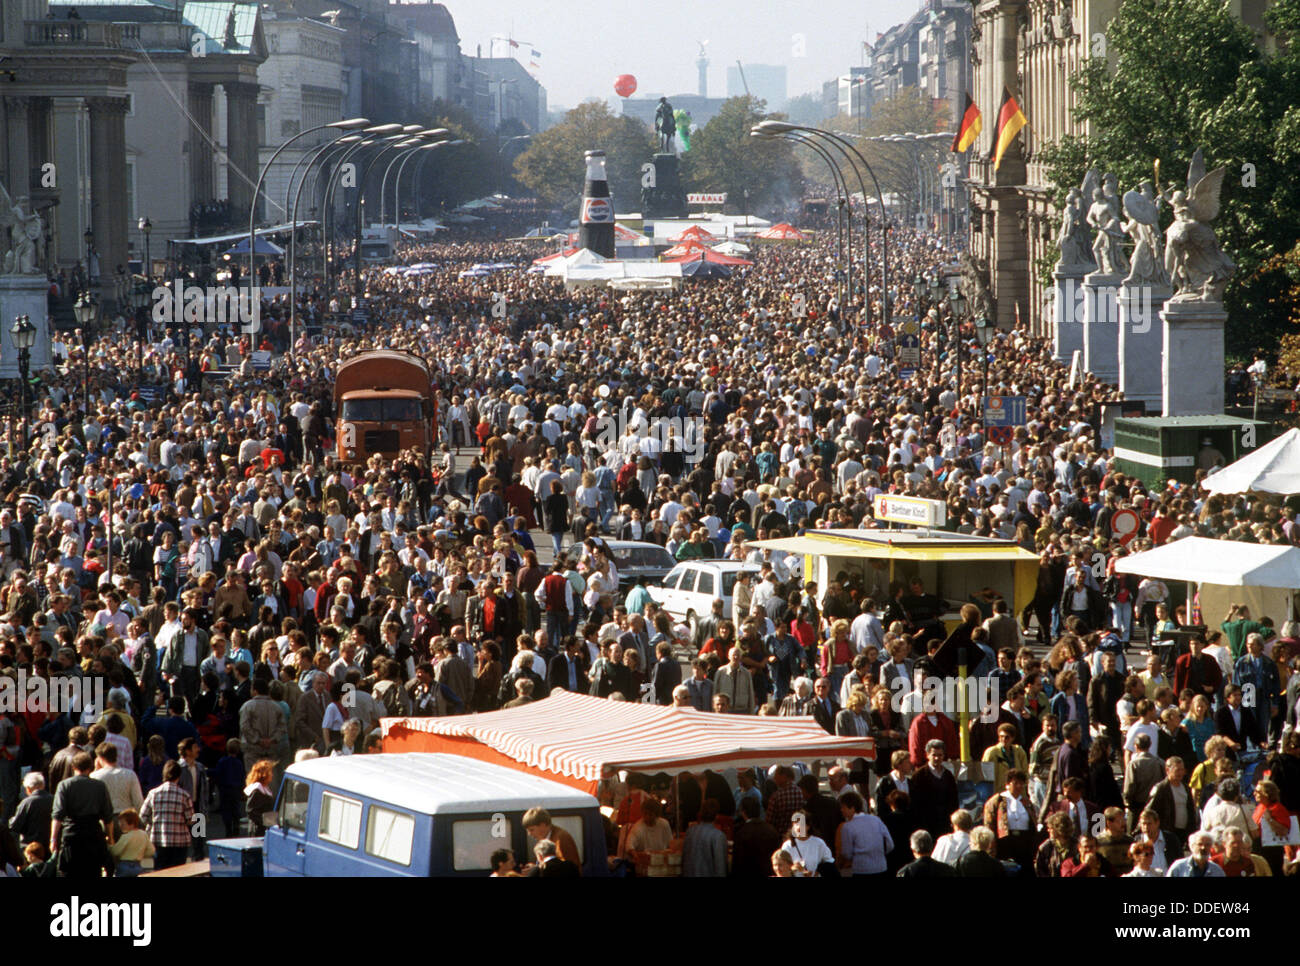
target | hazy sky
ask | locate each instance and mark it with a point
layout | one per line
(585, 44)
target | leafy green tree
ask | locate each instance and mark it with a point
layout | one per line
(1189, 74)
(806, 109)
(723, 157)
(553, 166)
(453, 175)
(910, 111)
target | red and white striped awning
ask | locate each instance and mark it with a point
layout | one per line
(576, 736)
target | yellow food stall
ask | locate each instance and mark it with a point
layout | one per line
(954, 566)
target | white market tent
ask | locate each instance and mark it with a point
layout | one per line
(584, 275)
(1264, 577)
(1273, 468)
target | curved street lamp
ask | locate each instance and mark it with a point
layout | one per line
(23, 334)
(843, 234)
(845, 148)
(351, 124)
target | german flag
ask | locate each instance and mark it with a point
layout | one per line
(970, 127)
(1010, 120)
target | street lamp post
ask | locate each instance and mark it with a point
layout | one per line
(399, 160)
(347, 125)
(86, 312)
(957, 303)
(24, 337)
(407, 139)
(89, 239)
(984, 334)
(346, 143)
(342, 163)
(146, 228)
(843, 251)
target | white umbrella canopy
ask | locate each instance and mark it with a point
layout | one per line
(1273, 468)
(1225, 562)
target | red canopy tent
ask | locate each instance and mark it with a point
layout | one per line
(708, 255)
(782, 232)
(695, 233)
(685, 248)
(572, 738)
(554, 255)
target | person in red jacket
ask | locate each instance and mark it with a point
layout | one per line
(925, 728)
(1197, 671)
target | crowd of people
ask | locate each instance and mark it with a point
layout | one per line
(230, 596)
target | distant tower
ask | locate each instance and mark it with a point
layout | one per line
(702, 64)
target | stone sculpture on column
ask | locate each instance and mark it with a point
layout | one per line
(1193, 319)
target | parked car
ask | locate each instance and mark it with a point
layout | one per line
(690, 588)
(637, 558)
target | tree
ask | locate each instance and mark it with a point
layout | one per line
(1187, 75)
(807, 109)
(909, 111)
(553, 166)
(723, 157)
(453, 175)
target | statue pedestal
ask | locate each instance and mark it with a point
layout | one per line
(666, 199)
(1141, 342)
(1067, 312)
(1101, 326)
(24, 295)
(1192, 370)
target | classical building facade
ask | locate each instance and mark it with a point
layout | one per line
(303, 85)
(1032, 48)
(191, 121)
(63, 111)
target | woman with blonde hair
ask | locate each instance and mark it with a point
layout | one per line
(258, 799)
(836, 655)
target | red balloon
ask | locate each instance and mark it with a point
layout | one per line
(625, 85)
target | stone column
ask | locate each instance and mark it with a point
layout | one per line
(1067, 312)
(241, 145)
(18, 177)
(1192, 368)
(201, 186)
(1101, 326)
(108, 214)
(1141, 342)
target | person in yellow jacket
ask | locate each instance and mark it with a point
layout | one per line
(1006, 755)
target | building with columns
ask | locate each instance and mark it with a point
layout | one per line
(63, 109)
(1032, 48)
(303, 86)
(191, 125)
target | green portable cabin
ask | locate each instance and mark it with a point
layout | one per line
(1159, 448)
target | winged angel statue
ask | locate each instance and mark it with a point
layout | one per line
(1148, 264)
(1197, 266)
(25, 230)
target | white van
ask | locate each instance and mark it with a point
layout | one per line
(418, 814)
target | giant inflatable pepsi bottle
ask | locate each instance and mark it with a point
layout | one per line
(596, 221)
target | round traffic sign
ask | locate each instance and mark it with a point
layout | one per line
(1124, 525)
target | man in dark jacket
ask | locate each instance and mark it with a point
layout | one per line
(755, 841)
(922, 866)
(566, 672)
(667, 674)
(1174, 802)
(1104, 693)
(934, 792)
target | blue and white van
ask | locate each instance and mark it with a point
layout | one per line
(418, 814)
